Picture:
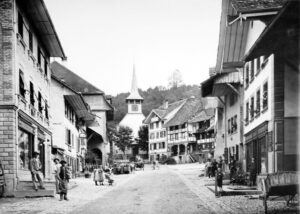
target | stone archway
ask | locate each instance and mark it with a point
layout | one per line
(174, 150)
(94, 157)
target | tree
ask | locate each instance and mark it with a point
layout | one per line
(143, 139)
(124, 138)
(112, 135)
(175, 79)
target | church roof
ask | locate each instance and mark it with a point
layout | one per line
(134, 93)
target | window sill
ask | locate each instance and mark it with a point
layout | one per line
(257, 115)
(264, 110)
(21, 41)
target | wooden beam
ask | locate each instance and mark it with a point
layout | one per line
(220, 99)
(233, 88)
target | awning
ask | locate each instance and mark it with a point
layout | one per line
(95, 127)
(38, 14)
(79, 106)
(217, 85)
(232, 42)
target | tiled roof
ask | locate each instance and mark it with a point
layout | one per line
(257, 5)
(190, 108)
(205, 114)
(73, 80)
(160, 112)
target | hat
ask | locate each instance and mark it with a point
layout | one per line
(35, 153)
(55, 159)
(63, 161)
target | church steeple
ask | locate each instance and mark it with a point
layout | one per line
(134, 100)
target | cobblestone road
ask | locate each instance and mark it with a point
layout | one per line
(172, 189)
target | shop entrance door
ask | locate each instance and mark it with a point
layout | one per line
(42, 155)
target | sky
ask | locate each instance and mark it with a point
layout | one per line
(104, 38)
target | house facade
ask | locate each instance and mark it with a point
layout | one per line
(272, 94)
(69, 119)
(203, 128)
(241, 24)
(92, 108)
(27, 45)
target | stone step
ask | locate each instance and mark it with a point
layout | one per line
(33, 193)
(28, 185)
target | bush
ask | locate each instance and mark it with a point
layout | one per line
(170, 161)
(163, 159)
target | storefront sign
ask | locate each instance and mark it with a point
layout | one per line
(26, 127)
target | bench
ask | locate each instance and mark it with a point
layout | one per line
(281, 184)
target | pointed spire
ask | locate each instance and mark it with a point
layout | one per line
(134, 86)
(134, 94)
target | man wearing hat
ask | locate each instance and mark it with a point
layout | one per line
(63, 176)
(35, 167)
(55, 172)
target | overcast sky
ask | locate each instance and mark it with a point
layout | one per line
(103, 38)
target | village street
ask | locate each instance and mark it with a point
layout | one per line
(171, 189)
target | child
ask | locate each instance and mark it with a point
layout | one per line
(219, 177)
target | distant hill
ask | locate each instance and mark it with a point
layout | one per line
(153, 98)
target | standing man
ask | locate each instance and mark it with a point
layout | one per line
(55, 172)
(35, 167)
(63, 176)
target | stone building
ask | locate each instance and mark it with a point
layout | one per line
(28, 40)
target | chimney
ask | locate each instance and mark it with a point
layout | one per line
(166, 104)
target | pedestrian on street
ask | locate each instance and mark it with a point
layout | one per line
(98, 176)
(55, 172)
(35, 167)
(64, 176)
(219, 177)
(232, 168)
(214, 168)
(253, 172)
(209, 168)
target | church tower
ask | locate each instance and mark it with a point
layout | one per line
(134, 100)
(134, 117)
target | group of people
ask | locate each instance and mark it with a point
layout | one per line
(61, 172)
(102, 173)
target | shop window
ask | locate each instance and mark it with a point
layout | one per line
(20, 24)
(257, 102)
(25, 148)
(265, 95)
(22, 90)
(31, 87)
(30, 41)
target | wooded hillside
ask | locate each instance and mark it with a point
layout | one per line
(153, 98)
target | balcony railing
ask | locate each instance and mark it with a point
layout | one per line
(207, 140)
